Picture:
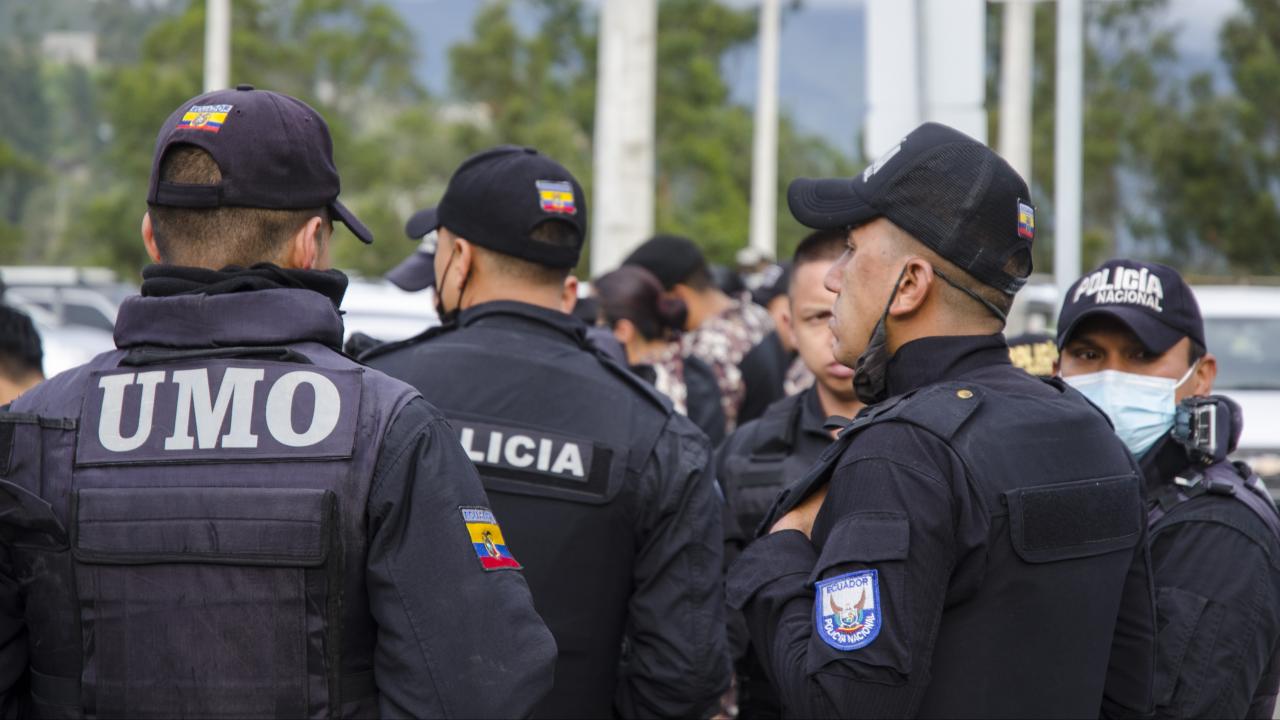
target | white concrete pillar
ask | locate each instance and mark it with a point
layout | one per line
(764, 156)
(217, 45)
(1068, 142)
(623, 183)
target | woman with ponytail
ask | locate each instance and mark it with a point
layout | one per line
(648, 322)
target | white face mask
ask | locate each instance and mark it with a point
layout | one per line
(1141, 407)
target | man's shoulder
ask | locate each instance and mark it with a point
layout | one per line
(1220, 512)
(398, 350)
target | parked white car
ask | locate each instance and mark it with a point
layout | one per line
(383, 311)
(1242, 329)
(65, 345)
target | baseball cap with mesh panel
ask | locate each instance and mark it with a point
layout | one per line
(949, 191)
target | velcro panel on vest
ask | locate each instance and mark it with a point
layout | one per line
(219, 411)
(219, 525)
(1075, 519)
(201, 602)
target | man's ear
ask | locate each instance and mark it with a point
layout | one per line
(786, 324)
(569, 294)
(149, 239)
(305, 247)
(913, 288)
(1206, 372)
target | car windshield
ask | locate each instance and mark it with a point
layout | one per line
(1248, 352)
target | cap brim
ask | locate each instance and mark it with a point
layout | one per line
(414, 273)
(1154, 335)
(352, 222)
(422, 222)
(828, 203)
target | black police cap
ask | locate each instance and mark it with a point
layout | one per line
(497, 198)
(949, 191)
(273, 152)
(1150, 299)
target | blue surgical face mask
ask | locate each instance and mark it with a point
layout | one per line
(1141, 407)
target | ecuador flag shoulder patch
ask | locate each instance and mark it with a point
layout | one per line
(487, 540)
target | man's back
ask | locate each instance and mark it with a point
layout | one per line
(212, 520)
(603, 492)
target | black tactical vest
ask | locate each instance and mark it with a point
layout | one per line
(188, 524)
(1065, 509)
(560, 435)
(778, 452)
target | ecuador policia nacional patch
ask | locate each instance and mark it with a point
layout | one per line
(847, 609)
(486, 538)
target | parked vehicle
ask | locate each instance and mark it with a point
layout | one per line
(1242, 328)
(385, 312)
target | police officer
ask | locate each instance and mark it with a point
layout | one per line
(779, 447)
(1133, 342)
(601, 486)
(227, 517)
(966, 546)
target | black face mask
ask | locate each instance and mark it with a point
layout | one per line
(871, 371)
(449, 317)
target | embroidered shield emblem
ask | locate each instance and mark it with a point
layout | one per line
(847, 609)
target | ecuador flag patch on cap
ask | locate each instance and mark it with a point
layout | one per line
(486, 538)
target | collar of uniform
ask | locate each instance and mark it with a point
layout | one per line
(812, 419)
(258, 317)
(1160, 464)
(937, 359)
(524, 316)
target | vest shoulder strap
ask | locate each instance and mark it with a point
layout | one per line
(1236, 480)
(940, 409)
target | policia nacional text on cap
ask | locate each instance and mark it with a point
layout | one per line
(972, 544)
(225, 516)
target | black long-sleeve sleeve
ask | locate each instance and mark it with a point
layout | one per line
(1218, 613)
(895, 520)
(677, 663)
(454, 640)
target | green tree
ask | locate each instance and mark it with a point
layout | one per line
(351, 60)
(539, 90)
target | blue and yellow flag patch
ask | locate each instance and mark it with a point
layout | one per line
(208, 118)
(556, 196)
(1026, 221)
(486, 538)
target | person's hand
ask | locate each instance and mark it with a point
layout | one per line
(801, 516)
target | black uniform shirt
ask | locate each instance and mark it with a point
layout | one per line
(511, 362)
(1217, 577)
(889, 471)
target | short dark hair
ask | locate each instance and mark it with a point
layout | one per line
(819, 246)
(1195, 352)
(555, 233)
(218, 235)
(21, 354)
(1001, 300)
